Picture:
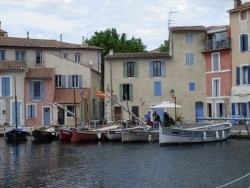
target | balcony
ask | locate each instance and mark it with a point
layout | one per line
(217, 45)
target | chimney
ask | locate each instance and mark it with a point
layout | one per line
(84, 44)
(28, 35)
(237, 3)
(111, 52)
(60, 37)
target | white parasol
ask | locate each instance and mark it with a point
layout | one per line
(165, 104)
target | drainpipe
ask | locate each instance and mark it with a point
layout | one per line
(111, 84)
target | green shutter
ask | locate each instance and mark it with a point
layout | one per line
(135, 69)
(125, 69)
(131, 91)
(121, 93)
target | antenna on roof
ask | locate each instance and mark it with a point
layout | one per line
(60, 37)
(28, 35)
(169, 20)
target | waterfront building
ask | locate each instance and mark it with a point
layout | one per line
(48, 70)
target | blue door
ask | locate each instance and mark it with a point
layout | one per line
(46, 116)
(199, 111)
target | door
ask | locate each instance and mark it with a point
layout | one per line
(118, 113)
(61, 114)
(199, 112)
(46, 116)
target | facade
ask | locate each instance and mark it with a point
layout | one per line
(240, 29)
(48, 71)
(217, 55)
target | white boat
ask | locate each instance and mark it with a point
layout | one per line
(142, 134)
(174, 135)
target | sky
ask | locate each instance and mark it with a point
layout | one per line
(144, 19)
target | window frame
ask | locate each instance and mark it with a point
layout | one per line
(20, 55)
(2, 55)
(244, 42)
(189, 59)
(189, 38)
(78, 57)
(216, 87)
(157, 68)
(58, 81)
(6, 88)
(70, 108)
(191, 86)
(130, 69)
(215, 68)
(243, 15)
(39, 58)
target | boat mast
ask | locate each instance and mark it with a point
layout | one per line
(15, 103)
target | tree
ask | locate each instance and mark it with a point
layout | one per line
(164, 47)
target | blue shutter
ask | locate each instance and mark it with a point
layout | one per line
(42, 90)
(237, 75)
(33, 111)
(163, 68)
(241, 43)
(157, 88)
(245, 42)
(63, 81)
(3, 86)
(248, 69)
(7, 91)
(233, 109)
(151, 68)
(80, 81)
(29, 111)
(244, 110)
(31, 90)
(70, 81)
(0, 109)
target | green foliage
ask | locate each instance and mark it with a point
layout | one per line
(6, 124)
(164, 47)
(110, 39)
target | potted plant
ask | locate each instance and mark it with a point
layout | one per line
(179, 119)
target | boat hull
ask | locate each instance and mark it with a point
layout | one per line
(177, 136)
(65, 134)
(114, 135)
(44, 134)
(84, 136)
(140, 135)
(16, 135)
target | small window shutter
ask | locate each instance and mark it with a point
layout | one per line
(245, 42)
(163, 68)
(248, 73)
(3, 86)
(0, 109)
(34, 110)
(121, 92)
(241, 43)
(31, 90)
(7, 91)
(233, 108)
(42, 90)
(131, 92)
(157, 88)
(124, 69)
(245, 109)
(80, 81)
(151, 68)
(136, 69)
(70, 81)
(28, 111)
(237, 75)
(63, 81)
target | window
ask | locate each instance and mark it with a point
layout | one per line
(2, 55)
(126, 92)
(189, 61)
(243, 15)
(58, 80)
(37, 90)
(6, 86)
(130, 69)
(209, 110)
(31, 111)
(20, 55)
(220, 110)
(189, 38)
(242, 74)
(78, 57)
(215, 61)
(157, 88)
(70, 108)
(39, 58)
(244, 42)
(157, 69)
(216, 87)
(65, 55)
(75, 81)
(191, 86)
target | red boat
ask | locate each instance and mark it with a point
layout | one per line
(87, 135)
(65, 134)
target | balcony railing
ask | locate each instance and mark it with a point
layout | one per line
(217, 45)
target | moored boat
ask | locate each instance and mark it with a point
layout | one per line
(172, 135)
(16, 134)
(65, 133)
(44, 134)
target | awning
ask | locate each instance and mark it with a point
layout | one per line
(100, 94)
(240, 94)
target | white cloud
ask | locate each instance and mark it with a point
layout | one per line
(145, 19)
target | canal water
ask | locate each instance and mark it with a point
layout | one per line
(113, 164)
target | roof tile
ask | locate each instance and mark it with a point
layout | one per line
(140, 55)
(40, 73)
(188, 28)
(70, 96)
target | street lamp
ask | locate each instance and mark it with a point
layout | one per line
(172, 93)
